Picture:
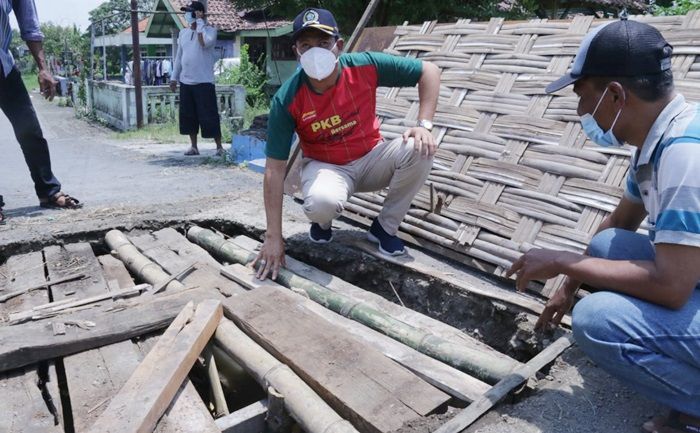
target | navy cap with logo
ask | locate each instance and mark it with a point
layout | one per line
(314, 18)
(623, 48)
(193, 6)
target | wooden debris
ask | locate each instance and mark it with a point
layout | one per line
(306, 407)
(59, 328)
(23, 405)
(365, 387)
(442, 376)
(155, 383)
(31, 342)
(250, 419)
(482, 365)
(55, 308)
(38, 286)
(465, 418)
(137, 263)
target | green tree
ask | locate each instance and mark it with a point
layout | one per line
(395, 12)
(677, 7)
(118, 13)
(250, 76)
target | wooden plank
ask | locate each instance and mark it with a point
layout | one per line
(250, 419)
(406, 315)
(88, 374)
(465, 418)
(32, 342)
(23, 407)
(442, 376)
(172, 251)
(366, 388)
(156, 381)
(187, 413)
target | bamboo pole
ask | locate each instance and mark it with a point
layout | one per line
(479, 364)
(306, 407)
(137, 263)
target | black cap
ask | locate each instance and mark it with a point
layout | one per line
(621, 48)
(314, 18)
(193, 6)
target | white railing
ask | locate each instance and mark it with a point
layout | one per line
(115, 103)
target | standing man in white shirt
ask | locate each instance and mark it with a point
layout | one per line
(193, 68)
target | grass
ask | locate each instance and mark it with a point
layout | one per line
(31, 81)
(158, 132)
(169, 132)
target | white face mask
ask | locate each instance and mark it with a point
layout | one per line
(319, 63)
(595, 132)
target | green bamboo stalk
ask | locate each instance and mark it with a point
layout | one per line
(481, 365)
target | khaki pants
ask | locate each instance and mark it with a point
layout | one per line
(394, 164)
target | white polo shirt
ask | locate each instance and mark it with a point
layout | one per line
(665, 175)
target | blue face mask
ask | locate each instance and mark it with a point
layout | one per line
(189, 18)
(595, 132)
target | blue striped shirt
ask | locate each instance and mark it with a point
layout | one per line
(665, 175)
(25, 12)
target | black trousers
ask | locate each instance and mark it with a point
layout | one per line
(198, 109)
(15, 103)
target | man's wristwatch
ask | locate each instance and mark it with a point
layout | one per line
(425, 123)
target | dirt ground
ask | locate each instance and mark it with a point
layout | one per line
(138, 184)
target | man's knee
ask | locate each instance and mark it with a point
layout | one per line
(601, 243)
(322, 209)
(597, 321)
(411, 157)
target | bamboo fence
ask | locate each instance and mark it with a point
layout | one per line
(513, 168)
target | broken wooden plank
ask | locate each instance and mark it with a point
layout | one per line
(487, 366)
(365, 387)
(169, 249)
(23, 406)
(32, 342)
(187, 413)
(153, 386)
(312, 413)
(407, 315)
(101, 381)
(38, 286)
(438, 374)
(137, 263)
(54, 308)
(465, 418)
(92, 387)
(250, 419)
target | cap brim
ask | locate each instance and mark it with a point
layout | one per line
(562, 82)
(321, 27)
(186, 9)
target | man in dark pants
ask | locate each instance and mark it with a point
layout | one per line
(15, 103)
(194, 70)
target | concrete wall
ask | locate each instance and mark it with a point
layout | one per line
(115, 103)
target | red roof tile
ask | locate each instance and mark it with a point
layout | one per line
(142, 26)
(225, 17)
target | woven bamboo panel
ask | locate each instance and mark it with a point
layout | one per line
(513, 168)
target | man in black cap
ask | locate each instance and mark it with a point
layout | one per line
(193, 68)
(643, 326)
(331, 104)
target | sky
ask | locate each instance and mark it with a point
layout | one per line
(65, 12)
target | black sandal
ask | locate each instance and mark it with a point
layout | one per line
(69, 202)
